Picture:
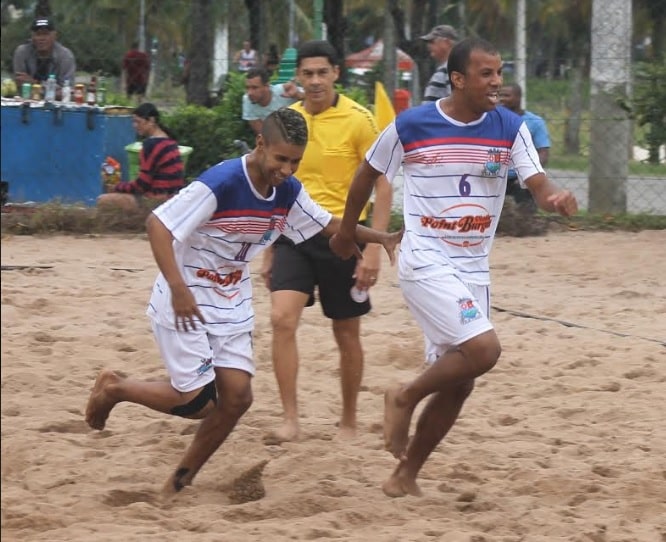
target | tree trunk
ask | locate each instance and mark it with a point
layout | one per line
(201, 53)
(335, 28)
(257, 39)
(574, 109)
(610, 76)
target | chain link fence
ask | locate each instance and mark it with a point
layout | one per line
(560, 88)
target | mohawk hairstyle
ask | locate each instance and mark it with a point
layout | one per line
(286, 125)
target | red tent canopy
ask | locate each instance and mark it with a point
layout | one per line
(367, 58)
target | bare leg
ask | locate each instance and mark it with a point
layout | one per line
(110, 389)
(397, 417)
(449, 380)
(234, 398)
(286, 309)
(101, 401)
(348, 337)
(437, 418)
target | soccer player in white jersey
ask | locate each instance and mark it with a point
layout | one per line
(201, 305)
(455, 155)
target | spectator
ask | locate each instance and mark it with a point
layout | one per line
(246, 58)
(42, 56)
(440, 40)
(162, 173)
(136, 70)
(340, 132)
(262, 98)
(510, 97)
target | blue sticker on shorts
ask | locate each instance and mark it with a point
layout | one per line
(468, 311)
(206, 365)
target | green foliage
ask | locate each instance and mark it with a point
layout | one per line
(358, 94)
(649, 105)
(13, 35)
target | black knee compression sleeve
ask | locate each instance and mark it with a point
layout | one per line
(208, 393)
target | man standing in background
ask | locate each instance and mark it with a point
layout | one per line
(136, 70)
(340, 131)
(261, 98)
(440, 40)
(510, 97)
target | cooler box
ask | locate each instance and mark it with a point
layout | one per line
(133, 150)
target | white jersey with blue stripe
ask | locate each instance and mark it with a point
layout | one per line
(454, 184)
(220, 223)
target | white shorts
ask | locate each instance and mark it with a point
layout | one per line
(190, 356)
(448, 311)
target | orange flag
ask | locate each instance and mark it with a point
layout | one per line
(384, 112)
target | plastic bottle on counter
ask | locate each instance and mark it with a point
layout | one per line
(66, 92)
(91, 94)
(50, 89)
(101, 91)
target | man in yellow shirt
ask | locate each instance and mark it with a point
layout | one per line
(340, 131)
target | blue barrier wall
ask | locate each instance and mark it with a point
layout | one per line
(57, 153)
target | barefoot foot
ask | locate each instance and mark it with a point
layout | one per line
(397, 418)
(400, 486)
(287, 433)
(100, 402)
(346, 432)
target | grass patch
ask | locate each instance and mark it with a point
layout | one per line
(59, 218)
(52, 218)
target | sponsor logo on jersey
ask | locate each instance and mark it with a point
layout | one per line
(225, 283)
(464, 218)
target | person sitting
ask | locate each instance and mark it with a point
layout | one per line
(42, 56)
(261, 98)
(162, 172)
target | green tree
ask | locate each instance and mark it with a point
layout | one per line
(649, 105)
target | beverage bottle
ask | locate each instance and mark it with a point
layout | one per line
(101, 92)
(50, 90)
(66, 92)
(360, 296)
(91, 94)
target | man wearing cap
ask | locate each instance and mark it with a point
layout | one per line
(43, 55)
(440, 40)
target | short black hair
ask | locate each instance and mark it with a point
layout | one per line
(258, 72)
(515, 87)
(459, 56)
(147, 110)
(317, 48)
(286, 125)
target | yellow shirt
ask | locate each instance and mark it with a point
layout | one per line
(338, 139)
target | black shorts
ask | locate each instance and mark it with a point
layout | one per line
(135, 88)
(312, 263)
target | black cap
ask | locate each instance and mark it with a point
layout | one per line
(42, 23)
